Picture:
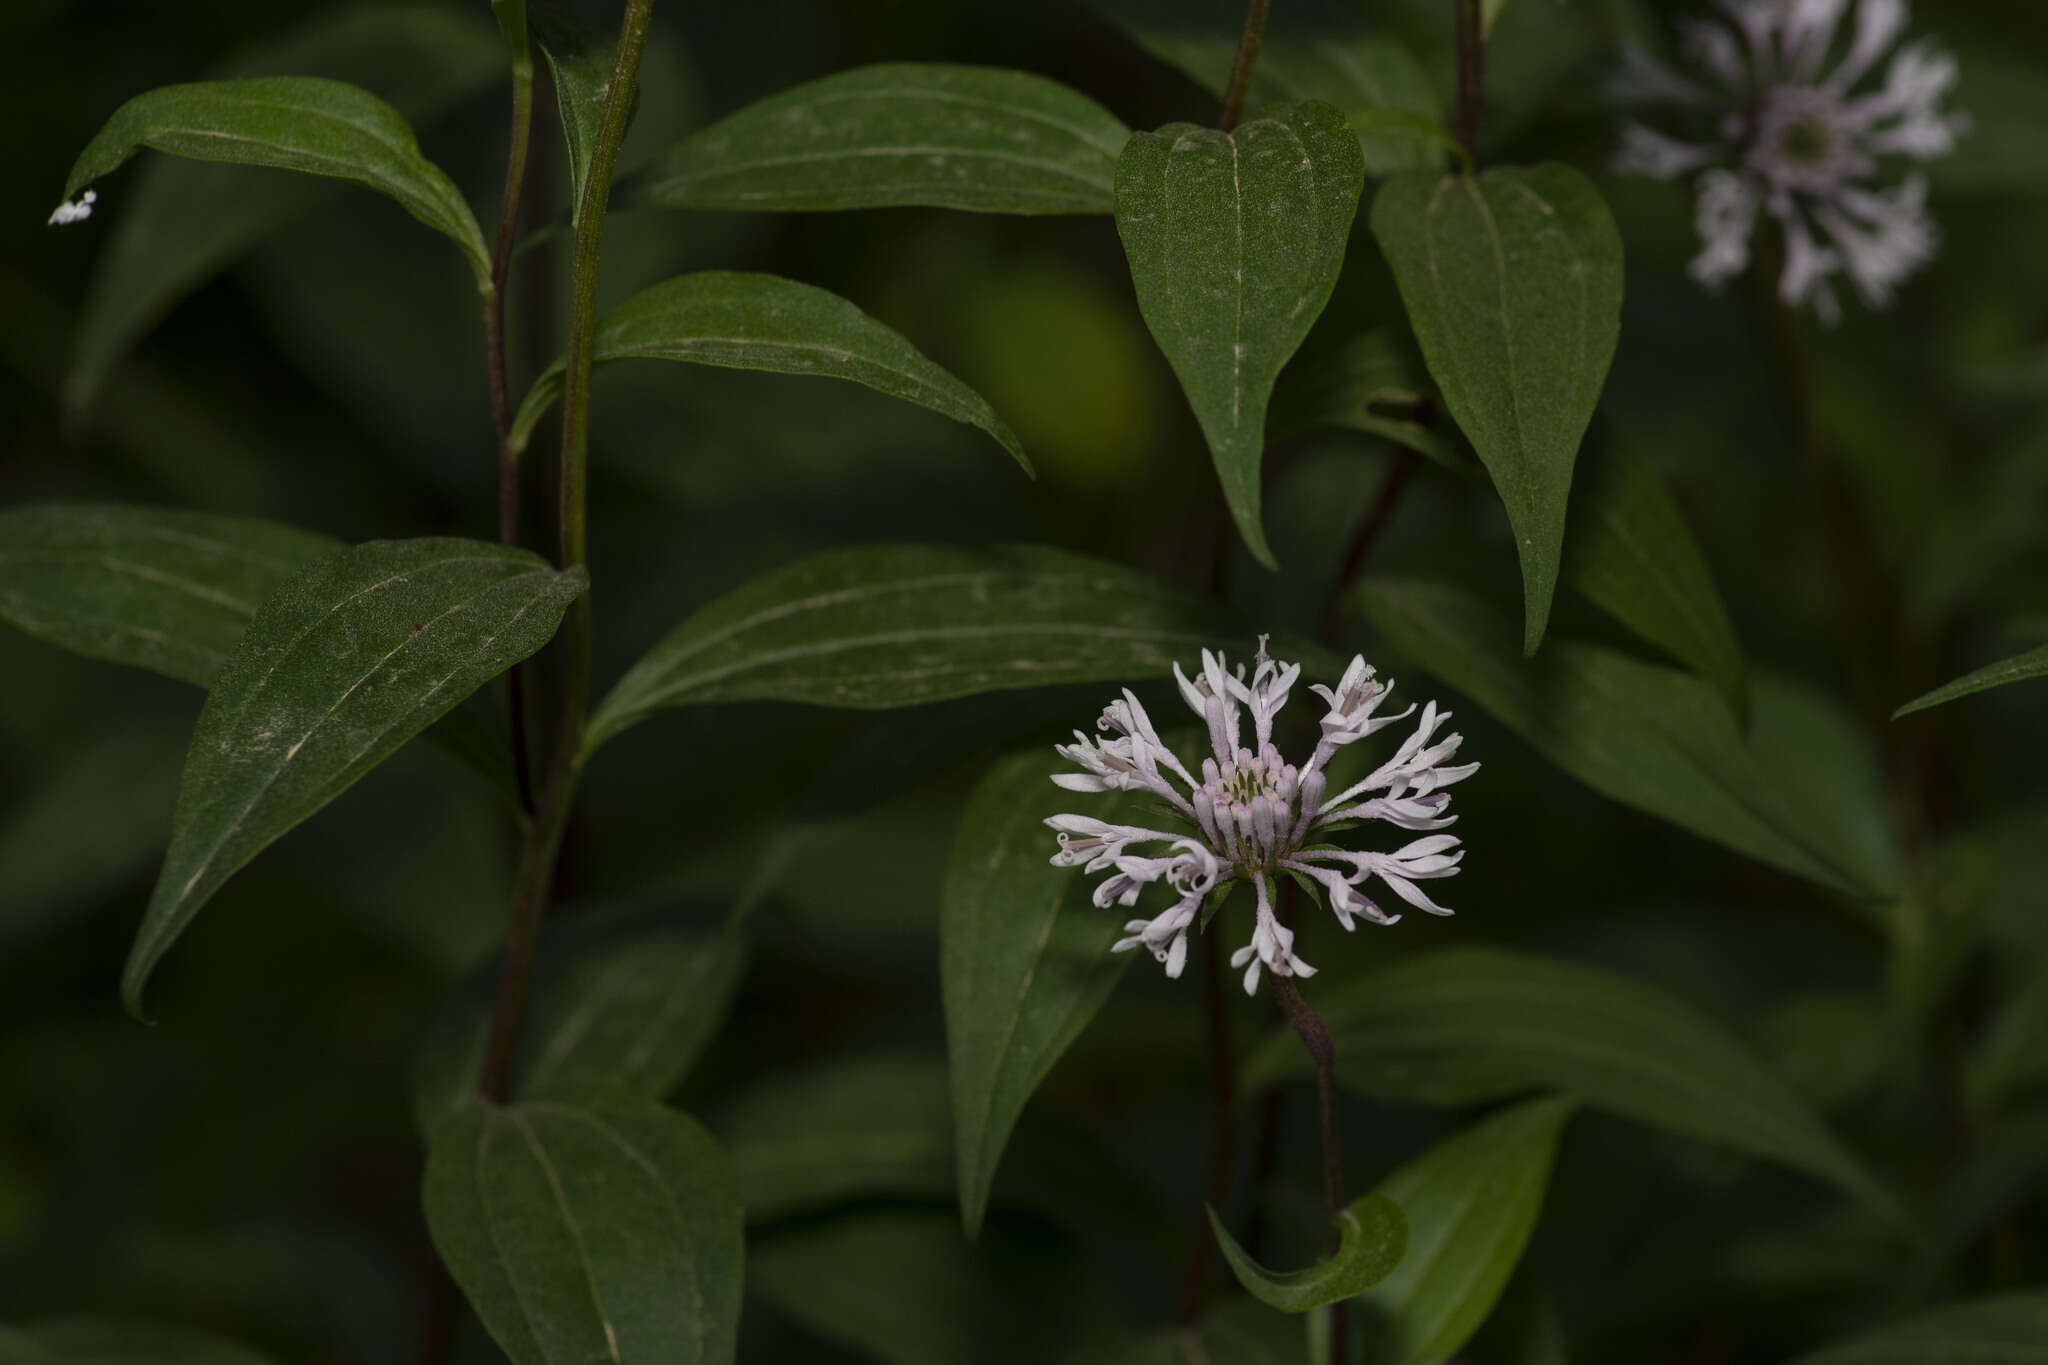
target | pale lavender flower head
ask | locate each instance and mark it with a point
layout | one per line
(1253, 816)
(1780, 110)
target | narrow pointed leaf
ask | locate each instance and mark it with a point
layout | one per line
(1024, 963)
(1235, 241)
(511, 17)
(2008, 1329)
(1471, 1203)
(294, 123)
(959, 137)
(606, 1233)
(901, 625)
(1469, 1025)
(354, 656)
(764, 322)
(581, 60)
(2020, 667)
(1512, 282)
(1651, 737)
(1372, 1237)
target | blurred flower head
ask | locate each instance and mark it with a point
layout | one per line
(1780, 109)
(1253, 816)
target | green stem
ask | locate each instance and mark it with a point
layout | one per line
(1322, 1049)
(1241, 67)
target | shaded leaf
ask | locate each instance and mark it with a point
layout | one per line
(581, 59)
(83, 1341)
(580, 1234)
(1024, 964)
(295, 123)
(2020, 667)
(2011, 1329)
(351, 658)
(1235, 241)
(763, 322)
(1238, 1331)
(1372, 1237)
(1651, 737)
(959, 137)
(1369, 385)
(901, 625)
(1470, 1025)
(1472, 1201)
(511, 17)
(1512, 282)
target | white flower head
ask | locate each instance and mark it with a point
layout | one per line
(1252, 816)
(75, 210)
(1762, 120)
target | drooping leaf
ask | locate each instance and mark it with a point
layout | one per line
(153, 588)
(1512, 282)
(1024, 964)
(85, 1341)
(581, 59)
(2010, 1329)
(959, 137)
(1372, 1238)
(177, 222)
(1471, 1202)
(1470, 1025)
(2032, 664)
(294, 123)
(351, 658)
(1651, 737)
(763, 322)
(609, 1232)
(901, 625)
(1235, 241)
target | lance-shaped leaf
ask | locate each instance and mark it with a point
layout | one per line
(1024, 964)
(609, 1232)
(2009, 1329)
(357, 654)
(1471, 1203)
(2032, 664)
(581, 59)
(764, 322)
(1469, 1025)
(1512, 282)
(1655, 738)
(959, 137)
(901, 625)
(1372, 1236)
(1234, 242)
(294, 123)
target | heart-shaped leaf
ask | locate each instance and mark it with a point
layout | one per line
(1512, 282)
(2011, 1329)
(2032, 664)
(1235, 241)
(354, 656)
(1372, 1236)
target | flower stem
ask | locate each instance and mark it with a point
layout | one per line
(1471, 77)
(1223, 1125)
(1241, 67)
(543, 836)
(1315, 1036)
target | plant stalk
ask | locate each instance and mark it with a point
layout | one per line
(1471, 77)
(1223, 1128)
(1241, 66)
(1315, 1036)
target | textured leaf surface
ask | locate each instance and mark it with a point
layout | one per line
(764, 322)
(1024, 963)
(1372, 1237)
(901, 625)
(1651, 737)
(1471, 1202)
(1235, 241)
(608, 1233)
(959, 137)
(1512, 282)
(2019, 668)
(294, 123)
(351, 658)
(153, 588)
(581, 59)
(1470, 1025)
(2006, 1329)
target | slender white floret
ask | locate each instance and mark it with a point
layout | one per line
(75, 210)
(1252, 816)
(1763, 122)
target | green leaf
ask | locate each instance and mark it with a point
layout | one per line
(180, 222)
(511, 17)
(581, 1234)
(351, 658)
(1235, 241)
(1369, 385)
(1470, 1025)
(1024, 964)
(2010, 1329)
(1372, 1237)
(901, 625)
(1512, 282)
(84, 1341)
(958, 137)
(2032, 664)
(145, 586)
(581, 58)
(294, 123)
(1651, 737)
(763, 322)
(1472, 1201)
(1489, 10)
